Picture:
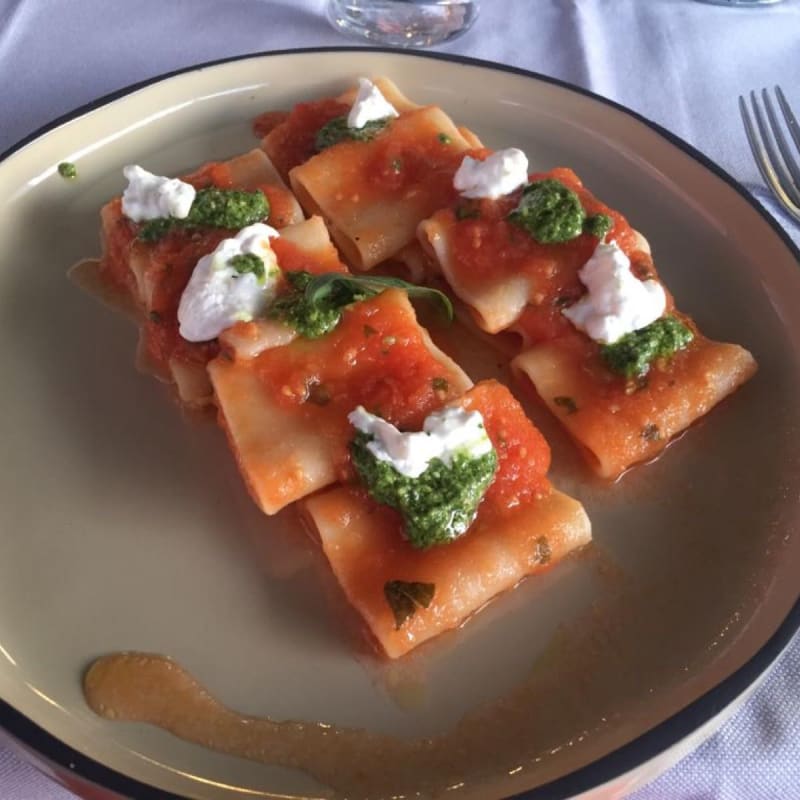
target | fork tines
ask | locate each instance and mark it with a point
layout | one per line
(777, 164)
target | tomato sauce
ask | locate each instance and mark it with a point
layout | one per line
(292, 258)
(411, 162)
(268, 121)
(292, 142)
(414, 154)
(376, 357)
(118, 233)
(522, 452)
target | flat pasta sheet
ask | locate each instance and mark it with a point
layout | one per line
(151, 276)
(514, 285)
(618, 424)
(374, 194)
(366, 548)
(285, 410)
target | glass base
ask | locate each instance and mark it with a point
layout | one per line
(403, 23)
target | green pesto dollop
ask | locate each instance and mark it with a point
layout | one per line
(440, 504)
(552, 213)
(213, 208)
(310, 317)
(337, 130)
(248, 262)
(633, 354)
(598, 225)
(66, 169)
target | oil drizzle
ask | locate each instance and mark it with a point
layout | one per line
(354, 763)
(142, 687)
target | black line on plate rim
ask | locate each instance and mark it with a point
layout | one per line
(613, 765)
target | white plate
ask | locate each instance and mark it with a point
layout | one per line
(126, 526)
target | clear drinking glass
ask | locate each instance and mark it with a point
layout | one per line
(403, 23)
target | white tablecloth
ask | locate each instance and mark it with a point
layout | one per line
(677, 62)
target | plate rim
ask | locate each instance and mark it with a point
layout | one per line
(37, 742)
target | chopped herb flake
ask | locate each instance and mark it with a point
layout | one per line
(440, 384)
(567, 403)
(319, 394)
(66, 169)
(542, 552)
(444, 138)
(651, 432)
(405, 597)
(467, 212)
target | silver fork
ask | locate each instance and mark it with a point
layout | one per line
(779, 166)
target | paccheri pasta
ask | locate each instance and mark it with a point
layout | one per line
(429, 495)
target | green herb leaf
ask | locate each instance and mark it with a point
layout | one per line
(405, 597)
(308, 318)
(346, 289)
(444, 138)
(440, 384)
(66, 169)
(632, 354)
(337, 130)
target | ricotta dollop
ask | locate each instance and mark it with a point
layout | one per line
(369, 105)
(444, 433)
(617, 301)
(150, 196)
(497, 175)
(218, 295)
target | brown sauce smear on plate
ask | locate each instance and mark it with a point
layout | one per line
(502, 735)
(142, 687)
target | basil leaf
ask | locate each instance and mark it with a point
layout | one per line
(405, 597)
(348, 289)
